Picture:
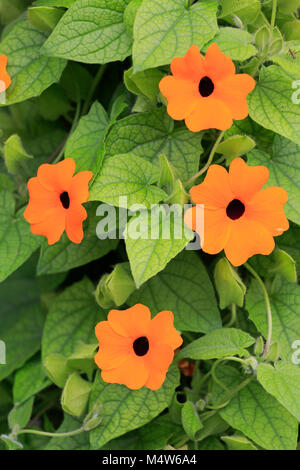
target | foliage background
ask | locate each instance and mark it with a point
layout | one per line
(85, 79)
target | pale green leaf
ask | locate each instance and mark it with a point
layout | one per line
(184, 288)
(235, 43)
(100, 35)
(163, 30)
(151, 134)
(124, 410)
(271, 103)
(31, 72)
(218, 343)
(127, 176)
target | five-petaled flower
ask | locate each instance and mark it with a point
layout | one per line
(205, 91)
(5, 79)
(133, 349)
(55, 201)
(239, 216)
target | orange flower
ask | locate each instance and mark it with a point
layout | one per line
(205, 91)
(55, 201)
(239, 216)
(134, 350)
(5, 80)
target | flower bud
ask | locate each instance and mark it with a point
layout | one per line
(82, 358)
(274, 352)
(57, 369)
(75, 395)
(229, 285)
(235, 146)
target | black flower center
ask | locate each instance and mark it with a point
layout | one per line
(65, 200)
(235, 209)
(206, 87)
(141, 346)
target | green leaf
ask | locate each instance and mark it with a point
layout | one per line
(153, 436)
(184, 288)
(76, 442)
(100, 35)
(124, 410)
(53, 103)
(235, 146)
(238, 442)
(271, 103)
(152, 239)
(20, 414)
(21, 322)
(16, 241)
(71, 320)
(289, 242)
(31, 73)
(65, 255)
(190, 420)
(218, 343)
(261, 418)
(284, 298)
(29, 380)
(235, 43)
(144, 83)
(151, 134)
(284, 168)
(163, 30)
(15, 155)
(127, 176)
(54, 3)
(283, 382)
(246, 10)
(44, 18)
(86, 143)
(288, 63)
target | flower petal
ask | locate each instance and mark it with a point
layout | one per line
(155, 380)
(247, 238)
(246, 180)
(52, 227)
(267, 208)
(75, 215)
(182, 96)
(215, 191)
(209, 113)
(79, 189)
(190, 67)
(114, 349)
(57, 177)
(133, 373)
(233, 91)
(4, 77)
(162, 330)
(40, 203)
(217, 65)
(159, 356)
(132, 322)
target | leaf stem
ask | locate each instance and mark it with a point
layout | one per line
(94, 85)
(233, 316)
(51, 434)
(209, 161)
(273, 17)
(268, 307)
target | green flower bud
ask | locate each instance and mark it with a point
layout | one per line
(229, 285)
(115, 288)
(291, 30)
(259, 346)
(75, 395)
(274, 352)
(44, 18)
(57, 369)
(83, 359)
(235, 146)
(179, 195)
(288, 6)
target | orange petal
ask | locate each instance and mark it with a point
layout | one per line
(159, 356)
(133, 373)
(246, 180)
(4, 77)
(79, 189)
(189, 67)
(75, 215)
(217, 65)
(52, 227)
(182, 96)
(209, 113)
(114, 349)
(267, 208)
(162, 330)
(155, 380)
(57, 177)
(40, 201)
(215, 191)
(132, 322)
(233, 91)
(216, 231)
(247, 238)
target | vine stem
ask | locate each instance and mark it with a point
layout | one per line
(94, 85)
(208, 163)
(273, 17)
(233, 316)
(268, 306)
(51, 434)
